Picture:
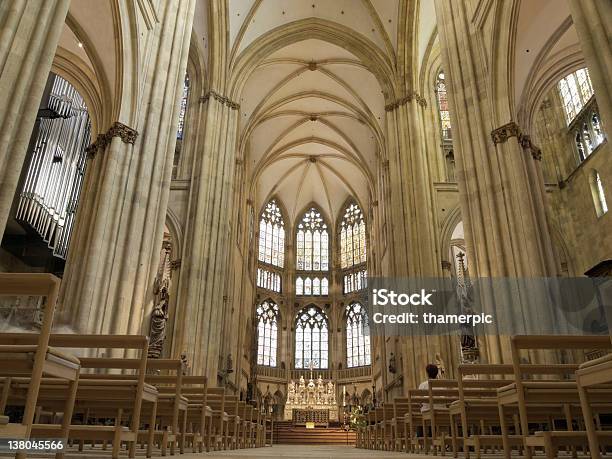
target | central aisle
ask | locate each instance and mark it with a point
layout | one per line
(306, 451)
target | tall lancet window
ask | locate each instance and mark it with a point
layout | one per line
(267, 333)
(50, 195)
(311, 338)
(357, 336)
(575, 90)
(599, 195)
(183, 109)
(443, 111)
(312, 239)
(180, 131)
(352, 237)
(272, 235)
(353, 249)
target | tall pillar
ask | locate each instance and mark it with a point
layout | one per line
(500, 183)
(207, 236)
(29, 33)
(593, 22)
(108, 282)
(414, 235)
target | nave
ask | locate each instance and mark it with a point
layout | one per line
(199, 197)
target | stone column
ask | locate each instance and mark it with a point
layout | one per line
(207, 236)
(501, 190)
(29, 33)
(593, 21)
(108, 282)
(414, 235)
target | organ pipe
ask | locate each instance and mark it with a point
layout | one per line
(50, 194)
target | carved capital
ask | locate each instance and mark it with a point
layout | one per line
(223, 100)
(503, 133)
(528, 145)
(404, 100)
(126, 133)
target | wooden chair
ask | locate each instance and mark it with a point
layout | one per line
(34, 358)
(199, 414)
(215, 398)
(413, 420)
(400, 410)
(115, 398)
(171, 408)
(557, 393)
(589, 377)
(475, 416)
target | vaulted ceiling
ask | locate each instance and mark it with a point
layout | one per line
(312, 113)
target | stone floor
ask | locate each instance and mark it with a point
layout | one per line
(307, 452)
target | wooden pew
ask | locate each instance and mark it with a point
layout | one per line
(589, 377)
(215, 398)
(114, 398)
(435, 414)
(414, 419)
(400, 410)
(35, 358)
(553, 393)
(476, 412)
(199, 414)
(171, 409)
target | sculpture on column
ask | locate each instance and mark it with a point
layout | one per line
(159, 315)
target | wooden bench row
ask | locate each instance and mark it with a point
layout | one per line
(505, 407)
(114, 400)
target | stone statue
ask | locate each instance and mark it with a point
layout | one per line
(331, 393)
(159, 318)
(301, 391)
(291, 392)
(311, 392)
(392, 364)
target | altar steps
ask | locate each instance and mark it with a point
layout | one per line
(285, 433)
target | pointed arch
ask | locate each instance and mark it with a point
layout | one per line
(268, 318)
(358, 349)
(312, 246)
(311, 338)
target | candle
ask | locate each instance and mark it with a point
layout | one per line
(343, 395)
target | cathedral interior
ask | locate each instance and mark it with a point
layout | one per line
(195, 194)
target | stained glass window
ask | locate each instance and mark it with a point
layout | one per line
(352, 237)
(267, 332)
(268, 280)
(355, 281)
(315, 286)
(357, 336)
(442, 97)
(183, 109)
(272, 235)
(311, 338)
(601, 204)
(312, 251)
(575, 90)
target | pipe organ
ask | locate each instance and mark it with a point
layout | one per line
(50, 194)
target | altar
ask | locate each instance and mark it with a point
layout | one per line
(311, 403)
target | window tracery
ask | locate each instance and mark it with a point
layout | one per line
(312, 242)
(272, 235)
(311, 338)
(267, 333)
(357, 336)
